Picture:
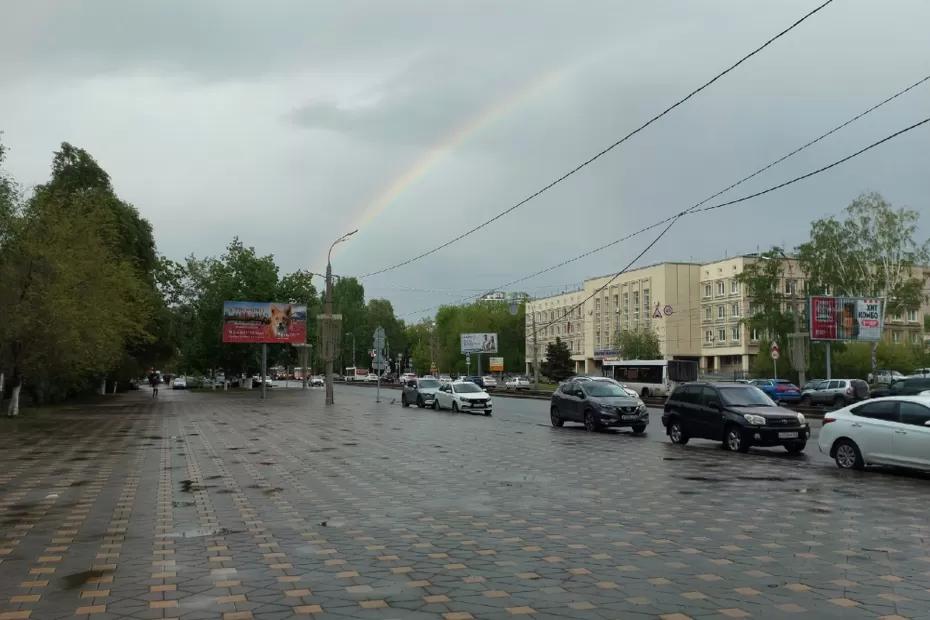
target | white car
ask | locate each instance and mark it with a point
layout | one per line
(316, 381)
(490, 382)
(517, 383)
(444, 379)
(462, 396)
(180, 383)
(883, 431)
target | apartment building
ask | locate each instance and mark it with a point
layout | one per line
(911, 327)
(663, 297)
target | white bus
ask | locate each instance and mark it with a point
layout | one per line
(652, 377)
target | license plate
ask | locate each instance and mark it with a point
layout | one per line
(787, 435)
(628, 417)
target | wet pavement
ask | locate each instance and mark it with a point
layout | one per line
(218, 505)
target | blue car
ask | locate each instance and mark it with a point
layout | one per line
(779, 390)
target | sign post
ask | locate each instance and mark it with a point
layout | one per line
(467, 364)
(378, 339)
(264, 367)
(775, 353)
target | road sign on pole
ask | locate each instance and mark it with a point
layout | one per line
(379, 339)
(775, 353)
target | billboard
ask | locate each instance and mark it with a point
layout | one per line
(496, 364)
(479, 343)
(261, 321)
(846, 318)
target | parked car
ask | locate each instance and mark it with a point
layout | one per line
(837, 392)
(317, 381)
(779, 389)
(921, 372)
(479, 381)
(179, 383)
(408, 376)
(490, 383)
(908, 386)
(810, 385)
(443, 379)
(597, 405)
(421, 392)
(517, 383)
(740, 416)
(462, 396)
(884, 431)
(884, 376)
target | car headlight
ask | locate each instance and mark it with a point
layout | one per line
(642, 408)
(606, 408)
(754, 419)
(801, 419)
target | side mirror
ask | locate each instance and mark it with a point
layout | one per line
(927, 423)
(714, 405)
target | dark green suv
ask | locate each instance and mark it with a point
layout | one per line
(737, 414)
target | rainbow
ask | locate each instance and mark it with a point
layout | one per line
(436, 153)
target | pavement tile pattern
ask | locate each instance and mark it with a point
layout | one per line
(216, 505)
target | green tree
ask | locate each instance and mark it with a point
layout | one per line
(638, 344)
(349, 301)
(420, 346)
(770, 310)
(873, 252)
(380, 313)
(558, 365)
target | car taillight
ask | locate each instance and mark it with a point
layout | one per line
(781, 388)
(828, 420)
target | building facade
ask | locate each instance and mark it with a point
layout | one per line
(663, 298)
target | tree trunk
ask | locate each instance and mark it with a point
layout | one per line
(115, 384)
(103, 387)
(14, 400)
(2, 377)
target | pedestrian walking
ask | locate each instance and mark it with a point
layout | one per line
(154, 381)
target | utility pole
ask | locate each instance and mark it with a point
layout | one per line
(535, 355)
(329, 329)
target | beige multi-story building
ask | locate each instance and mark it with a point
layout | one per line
(727, 344)
(664, 298)
(910, 327)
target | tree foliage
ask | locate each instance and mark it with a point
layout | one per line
(770, 313)
(480, 317)
(558, 365)
(638, 344)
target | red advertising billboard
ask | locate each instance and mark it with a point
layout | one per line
(264, 322)
(846, 318)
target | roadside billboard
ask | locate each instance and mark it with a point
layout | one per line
(479, 343)
(496, 364)
(264, 322)
(857, 319)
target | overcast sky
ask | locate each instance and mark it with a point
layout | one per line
(288, 123)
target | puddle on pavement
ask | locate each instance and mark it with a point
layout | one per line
(216, 477)
(80, 483)
(201, 532)
(272, 491)
(189, 486)
(76, 580)
(177, 504)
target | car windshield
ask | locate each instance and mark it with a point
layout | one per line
(745, 396)
(428, 383)
(603, 388)
(466, 388)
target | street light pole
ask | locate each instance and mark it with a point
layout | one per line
(328, 312)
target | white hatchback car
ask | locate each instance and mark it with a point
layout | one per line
(882, 431)
(462, 396)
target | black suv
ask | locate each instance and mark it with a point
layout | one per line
(737, 414)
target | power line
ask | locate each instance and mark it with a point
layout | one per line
(672, 220)
(696, 206)
(604, 151)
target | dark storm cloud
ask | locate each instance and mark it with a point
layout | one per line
(284, 122)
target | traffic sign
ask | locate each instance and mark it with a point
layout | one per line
(775, 351)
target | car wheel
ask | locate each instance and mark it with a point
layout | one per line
(436, 405)
(420, 402)
(847, 455)
(455, 407)
(645, 393)
(639, 429)
(676, 433)
(734, 440)
(796, 447)
(487, 413)
(555, 418)
(590, 424)
(403, 401)
(806, 401)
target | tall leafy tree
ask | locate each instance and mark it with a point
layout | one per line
(349, 301)
(638, 344)
(769, 312)
(558, 365)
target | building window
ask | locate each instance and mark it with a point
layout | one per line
(896, 337)
(912, 316)
(915, 338)
(597, 304)
(708, 336)
(707, 290)
(646, 300)
(721, 287)
(734, 287)
(708, 313)
(734, 310)
(721, 312)
(721, 334)
(616, 302)
(790, 287)
(754, 335)
(734, 333)
(598, 337)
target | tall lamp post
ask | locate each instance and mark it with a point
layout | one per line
(328, 313)
(353, 350)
